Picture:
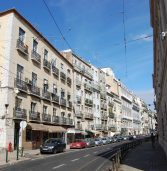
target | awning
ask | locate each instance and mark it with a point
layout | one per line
(96, 132)
(46, 128)
(52, 129)
(89, 131)
(38, 127)
(73, 131)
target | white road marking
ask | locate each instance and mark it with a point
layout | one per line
(86, 155)
(37, 158)
(58, 166)
(95, 152)
(75, 159)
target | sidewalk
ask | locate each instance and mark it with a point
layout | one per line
(27, 154)
(144, 158)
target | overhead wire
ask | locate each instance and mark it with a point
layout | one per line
(63, 37)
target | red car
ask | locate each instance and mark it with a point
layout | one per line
(78, 144)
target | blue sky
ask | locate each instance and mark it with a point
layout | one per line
(94, 29)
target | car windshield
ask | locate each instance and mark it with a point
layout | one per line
(51, 141)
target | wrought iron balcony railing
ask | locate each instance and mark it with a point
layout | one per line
(55, 71)
(55, 98)
(63, 102)
(22, 47)
(46, 95)
(34, 116)
(36, 56)
(20, 113)
(21, 85)
(46, 117)
(34, 90)
(46, 64)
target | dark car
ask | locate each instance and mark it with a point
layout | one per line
(52, 145)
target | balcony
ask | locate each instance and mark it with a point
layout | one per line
(34, 116)
(55, 71)
(46, 117)
(88, 102)
(77, 67)
(104, 127)
(104, 117)
(46, 64)
(21, 85)
(96, 87)
(69, 104)
(98, 126)
(46, 95)
(79, 126)
(111, 104)
(111, 115)
(23, 48)
(89, 116)
(36, 57)
(69, 122)
(63, 76)
(112, 128)
(55, 98)
(88, 87)
(78, 99)
(63, 121)
(79, 114)
(78, 82)
(103, 96)
(56, 119)
(63, 102)
(20, 113)
(69, 81)
(34, 90)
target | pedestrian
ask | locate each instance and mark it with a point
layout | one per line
(153, 140)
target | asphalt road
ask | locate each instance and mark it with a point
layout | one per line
(89, 159)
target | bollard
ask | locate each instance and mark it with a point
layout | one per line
(17, 157)
(22, 149)
(6, 155)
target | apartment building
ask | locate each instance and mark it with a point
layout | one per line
(97, 126)
(83, 92)
(158, 13)
(36, 85)
(127, 118)
(136, 116)
(113, 102)
(103, 102)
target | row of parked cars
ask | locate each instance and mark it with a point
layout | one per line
(54, 145)
(91, 142)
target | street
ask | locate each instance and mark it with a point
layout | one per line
(89, 159)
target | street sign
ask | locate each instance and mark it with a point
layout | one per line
(23, 124)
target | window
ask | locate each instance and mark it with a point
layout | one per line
(62, 93)
(45, 54)
(34, 79)
(45, 109)
(62, 114)
(18, 102)
(62, 66)
(54, 89)
(21, 34)
(19, 72)
(54, 111)
(35, 45)
(33, 106)
(68, 71)
(45, 85)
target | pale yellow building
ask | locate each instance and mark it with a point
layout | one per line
(36, 85)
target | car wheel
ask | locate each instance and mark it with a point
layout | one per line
(55, 151)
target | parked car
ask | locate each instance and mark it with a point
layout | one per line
(52, 145)
(98, 141)
(105, 140)
(90, 142)
(111, 139)
(119, 138)
(78, 144)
